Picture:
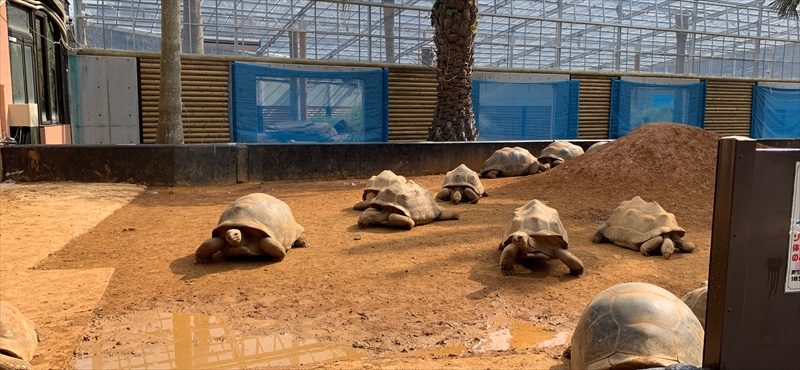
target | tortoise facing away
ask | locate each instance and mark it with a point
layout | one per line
(558, 152)
(697, 301)
(459, 183)
(18, 338)
(643, 227)
(374, 185)
(635, 326)
(509, 161)
(253, 225)
(536, 231)
(404, 205)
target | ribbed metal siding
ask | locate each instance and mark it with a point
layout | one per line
(412, 101)
(204, 93)
(595, 102)
(728, 107)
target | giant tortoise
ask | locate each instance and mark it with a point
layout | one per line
(509, 161)
(18, 338)
(374, 185)
(558, 152)
(643, 227)
(635, 326)
(697, 300)
(461, 182)
(404, 205)
(536, 231)
(253, 225)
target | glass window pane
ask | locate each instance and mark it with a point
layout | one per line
(40, 69)
(29, 74)
(17, 73)
(52, 81)
(18, 19)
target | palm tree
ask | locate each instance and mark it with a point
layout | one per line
(454, 23)
(785, 8)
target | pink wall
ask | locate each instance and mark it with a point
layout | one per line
(5, 73)
(55, 134)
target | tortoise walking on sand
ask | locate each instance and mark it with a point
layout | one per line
(404, 205)
(558, 152)
(635, 326)
(18, 338)
(644, 227)
(460, 183)
(536, 231)
(374, 185)
(509, 161)
(253, 225)
(697, 301)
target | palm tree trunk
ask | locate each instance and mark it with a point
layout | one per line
(170, 126)
(454, 22)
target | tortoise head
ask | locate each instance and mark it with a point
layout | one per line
(522, 241)
(455, 197)
(233, 237)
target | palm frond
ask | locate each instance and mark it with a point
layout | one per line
(785, 8)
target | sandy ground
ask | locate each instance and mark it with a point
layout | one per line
(377, 297)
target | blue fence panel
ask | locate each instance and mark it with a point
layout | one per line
(776, 113)
(634, 104)
(526, 110)
(283, 105)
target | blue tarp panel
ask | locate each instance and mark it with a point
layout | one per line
(526, 110)
(271, 105)
(776, 113)
(634, 104)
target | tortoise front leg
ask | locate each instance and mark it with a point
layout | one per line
(649, 246)
(471, 195)
(205, 252)
(507, 259)
(575, 265)
(271, 247)
(300, 243)
(667, 247)
(8, 362)
(448, 215)
(443, 194)
(684, 245)
(398, 220)
(364, 204)
(598, 237)
(372, 216)
(492, 174)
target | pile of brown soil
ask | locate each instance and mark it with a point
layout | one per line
(672, 164)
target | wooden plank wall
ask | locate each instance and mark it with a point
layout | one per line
(204, 92)
(729, 106)
(412, 101)
(595, 104)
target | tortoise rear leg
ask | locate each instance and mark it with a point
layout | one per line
(684, 245)
(492, 174)
(667, 247)
(650, 246)
(364, 204)
(8, 362)
(575, 265)
(507, 259)
(471, 195)
(598, 237)
(443, 194)
(398, 220)
(271, 247)
(205, 252)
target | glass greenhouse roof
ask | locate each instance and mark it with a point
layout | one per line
(718, 38)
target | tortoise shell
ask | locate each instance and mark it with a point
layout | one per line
(537, 220)
(380, 181)
(636, 326)
(410, 199)
(263, 213)
(463, 176)
(510, 161)
(18, 338)
(697, 301)
(635, 221)
(560, 150)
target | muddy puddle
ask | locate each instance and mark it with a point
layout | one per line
(514, 335)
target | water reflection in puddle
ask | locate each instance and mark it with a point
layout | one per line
(194, 341)
(516, 335)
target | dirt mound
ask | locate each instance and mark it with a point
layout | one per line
(670, 163)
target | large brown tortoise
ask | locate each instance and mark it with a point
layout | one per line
(697, 300)
(508, 161)
(635, 326)
(536, 231)
(404, 205)
(558, 152)
(253, 225)
(643, 227)
(18, 338)
(374, 185)
(460, 183)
